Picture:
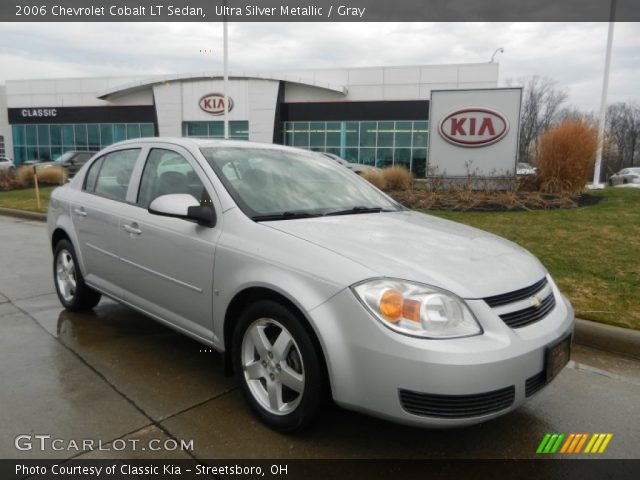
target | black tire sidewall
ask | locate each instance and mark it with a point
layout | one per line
(312, 396)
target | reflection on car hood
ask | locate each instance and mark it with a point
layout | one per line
(413, 246)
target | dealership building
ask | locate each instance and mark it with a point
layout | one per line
(374, 115)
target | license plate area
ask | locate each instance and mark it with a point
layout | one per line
(556, 357)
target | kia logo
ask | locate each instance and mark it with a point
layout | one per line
(214, 104)
(473, 127)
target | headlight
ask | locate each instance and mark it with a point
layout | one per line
(417, 310)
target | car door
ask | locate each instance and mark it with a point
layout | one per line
(95, 214)
(169, 261)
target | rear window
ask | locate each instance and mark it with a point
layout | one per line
(115, 173)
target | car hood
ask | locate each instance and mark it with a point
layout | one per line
(414, 246)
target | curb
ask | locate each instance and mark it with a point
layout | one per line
(11, 212)
(607, 337)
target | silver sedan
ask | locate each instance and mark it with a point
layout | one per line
(625, 176)
(310, 282)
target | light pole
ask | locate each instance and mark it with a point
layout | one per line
(500, 49)
(603, 99)
(225, 41)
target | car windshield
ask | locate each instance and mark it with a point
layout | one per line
(277, 184)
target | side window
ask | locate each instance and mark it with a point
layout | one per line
(114, 176)
(92, 175)
(167, 172)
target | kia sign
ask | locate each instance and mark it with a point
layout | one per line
(473, 127)
(213, 104)
(474, 132)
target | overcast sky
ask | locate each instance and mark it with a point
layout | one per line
(572, 54)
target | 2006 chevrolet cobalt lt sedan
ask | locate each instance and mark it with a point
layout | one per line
(310, 281)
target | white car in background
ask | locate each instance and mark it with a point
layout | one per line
(625, 176)
(524, 169)
(7, 165)
(358, 168)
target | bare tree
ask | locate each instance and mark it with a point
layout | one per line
(541, 101)
(623, 134)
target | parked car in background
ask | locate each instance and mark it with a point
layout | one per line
(70, 161)
(626, 175)
(524, 169)
(6, 165)
(358, 168)
(310, 281)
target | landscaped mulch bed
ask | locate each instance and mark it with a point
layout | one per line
(488, 201)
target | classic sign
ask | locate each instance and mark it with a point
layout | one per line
(213, 104)
(473, 127)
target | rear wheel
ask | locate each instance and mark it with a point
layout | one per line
(72, 292)
(278, 365)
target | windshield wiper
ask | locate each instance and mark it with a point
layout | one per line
(354, 210)
(284, 216)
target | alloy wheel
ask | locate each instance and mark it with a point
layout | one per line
(272, 366)
(66, 275)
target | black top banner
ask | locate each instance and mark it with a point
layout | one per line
(317, 10)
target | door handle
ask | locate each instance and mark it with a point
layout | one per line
(132, 229)
(80, 212)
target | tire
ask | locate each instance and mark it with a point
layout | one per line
(285, 387)
(73, 293)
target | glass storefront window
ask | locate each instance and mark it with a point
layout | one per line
(334, 134)
(32, 135)
(147, 130)
(49, 141)
(43, 135)
(133, 130)
(106, 133)
(317, 134)
(81, 136)
(385, 134)
(380, 143)
(67, 135)
(368, 131)
(93, 135)
(56, 134)
(238, 129)
(119, 132)
(18, 133)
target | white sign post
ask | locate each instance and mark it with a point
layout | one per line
(474, 133)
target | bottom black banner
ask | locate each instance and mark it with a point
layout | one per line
(577, 469)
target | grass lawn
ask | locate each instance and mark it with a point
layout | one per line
(26, 199)
(593, 252)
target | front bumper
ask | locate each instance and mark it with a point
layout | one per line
(370, 365)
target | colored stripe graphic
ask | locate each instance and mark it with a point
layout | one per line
(573, 443)
(543, 443)
(598, 443)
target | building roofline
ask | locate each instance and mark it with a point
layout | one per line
(164, 79)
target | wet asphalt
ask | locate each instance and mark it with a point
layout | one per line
(114, 375)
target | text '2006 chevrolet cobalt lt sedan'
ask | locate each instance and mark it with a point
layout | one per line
(310, 281)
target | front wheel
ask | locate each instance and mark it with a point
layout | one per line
(278, 365)
(72, 292)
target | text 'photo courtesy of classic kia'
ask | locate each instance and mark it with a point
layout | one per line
(312, 283)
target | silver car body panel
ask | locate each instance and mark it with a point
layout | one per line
(186, 276)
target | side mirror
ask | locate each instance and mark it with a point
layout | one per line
(185, 206)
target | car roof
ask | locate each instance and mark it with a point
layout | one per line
(190, 142)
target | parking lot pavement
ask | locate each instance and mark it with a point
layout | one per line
(114, 375)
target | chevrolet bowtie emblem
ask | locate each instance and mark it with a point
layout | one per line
(535, 302)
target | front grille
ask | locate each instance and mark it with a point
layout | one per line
(457, 406)
(526, 316)
(535, 383)
(516, 295)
